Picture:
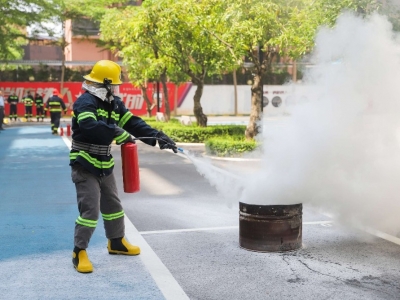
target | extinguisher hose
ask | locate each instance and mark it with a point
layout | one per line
(160, 139)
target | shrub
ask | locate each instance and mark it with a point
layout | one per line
(229, 146)
(220, 140)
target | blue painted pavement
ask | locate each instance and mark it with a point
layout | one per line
(38, 210)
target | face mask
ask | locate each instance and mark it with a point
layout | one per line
(98, 90)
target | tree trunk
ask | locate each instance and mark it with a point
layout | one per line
(146, 99)
(197, 109)
(235, 92)
(253, 128)
(166, 98)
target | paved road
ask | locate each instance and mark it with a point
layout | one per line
(188, 234)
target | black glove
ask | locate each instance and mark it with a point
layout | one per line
(121, 136)
(165, 142)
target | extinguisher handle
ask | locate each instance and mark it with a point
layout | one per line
(156, 138)
(144, 138)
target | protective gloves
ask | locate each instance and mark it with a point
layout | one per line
(165, 142)
(122, 137)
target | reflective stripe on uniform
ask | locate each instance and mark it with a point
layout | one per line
(103, 113)
(109, 217)
(86, 115)
(86, 222)
(93, 161)
(119, 139)
(125, 119)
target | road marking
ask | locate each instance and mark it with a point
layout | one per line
(218, 228)
(382, 235)
(374, 232)
(188, 230)
(160, 273)
(67, 141)
(167, 284)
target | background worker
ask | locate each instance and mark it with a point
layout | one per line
(39, 107)
(28, 102)
(1, 110)
(13, 101)
(99, 118)
(55, 105)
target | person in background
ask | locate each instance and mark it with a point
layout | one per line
(1, 110)
(39, 107)
(99, 117)
(13, 101)
(55, 105)
(28, 102)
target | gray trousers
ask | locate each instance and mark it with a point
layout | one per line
(94, 195)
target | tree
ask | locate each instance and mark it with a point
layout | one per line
(16, 16)
(172, 32)
(260, 30)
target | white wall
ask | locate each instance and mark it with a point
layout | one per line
(220, 100)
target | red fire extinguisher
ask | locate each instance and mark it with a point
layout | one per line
(130, 168)
(68, 129)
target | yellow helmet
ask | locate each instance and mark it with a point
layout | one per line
(105, 69)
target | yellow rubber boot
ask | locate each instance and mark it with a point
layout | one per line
(81, 261)
(122, 246)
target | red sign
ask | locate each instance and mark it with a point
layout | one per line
(130, 95)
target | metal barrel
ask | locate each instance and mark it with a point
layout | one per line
(270, 228)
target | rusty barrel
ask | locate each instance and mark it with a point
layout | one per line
(270, 228)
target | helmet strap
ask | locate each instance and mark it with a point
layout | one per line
(107, 84)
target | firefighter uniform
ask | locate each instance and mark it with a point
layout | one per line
(39, 107)
(13, 101)
(28, 102)
(55, 105)
(99, 118)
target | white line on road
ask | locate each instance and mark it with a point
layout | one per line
(161, 275)
(217, 228)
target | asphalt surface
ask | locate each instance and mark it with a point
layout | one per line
(188, 234)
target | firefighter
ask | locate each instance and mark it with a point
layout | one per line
(39, 107)
(28, 102)
(99, 117)
(13, 101)
(55, 105)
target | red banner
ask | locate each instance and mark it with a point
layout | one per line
(130, 95)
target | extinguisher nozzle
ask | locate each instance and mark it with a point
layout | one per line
(180, 149)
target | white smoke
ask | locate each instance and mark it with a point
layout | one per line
(340, 149)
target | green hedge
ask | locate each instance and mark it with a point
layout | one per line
(229, 146)
(220, 140)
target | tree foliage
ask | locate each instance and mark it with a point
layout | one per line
(16, 15)
(259, 30)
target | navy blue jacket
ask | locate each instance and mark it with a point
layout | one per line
(94, 122)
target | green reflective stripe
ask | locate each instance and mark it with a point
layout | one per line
(125, 119)
(95, 162)
(109, 217)
(122, 137)
(54, 103)
(86, 115)
(86, 222)
(55, 109)
(103, 113)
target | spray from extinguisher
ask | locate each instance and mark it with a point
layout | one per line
(130, 166)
